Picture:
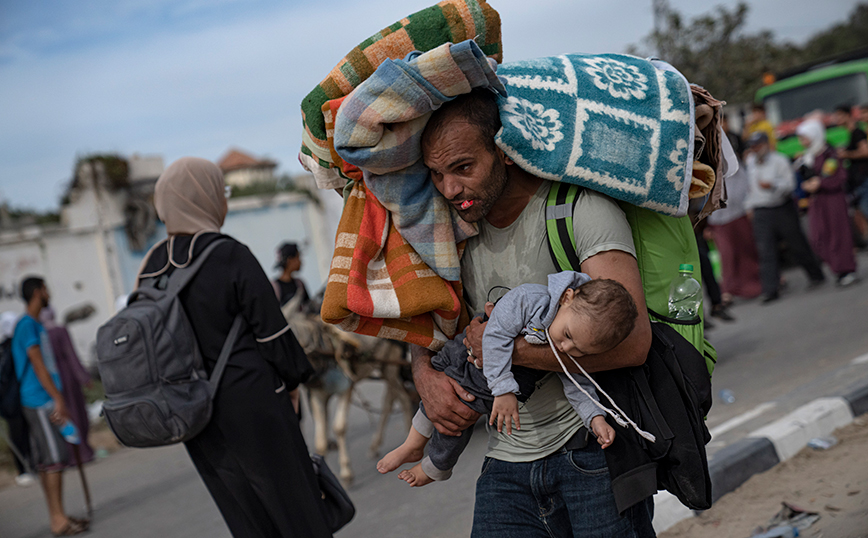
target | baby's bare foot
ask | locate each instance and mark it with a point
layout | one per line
(398, 457)
(415, 476)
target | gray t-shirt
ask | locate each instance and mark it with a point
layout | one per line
(519, 254)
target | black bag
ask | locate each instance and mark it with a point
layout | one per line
(157, 389)
(338, 509)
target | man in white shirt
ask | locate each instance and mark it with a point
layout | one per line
(774, 215)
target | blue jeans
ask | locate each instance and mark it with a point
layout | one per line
(566, 494)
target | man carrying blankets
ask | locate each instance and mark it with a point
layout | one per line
(448, 168)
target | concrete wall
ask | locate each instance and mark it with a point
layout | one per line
(78, 269)
(86, 265)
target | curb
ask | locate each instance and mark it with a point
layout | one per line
(764, 448)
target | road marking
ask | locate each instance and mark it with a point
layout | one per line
(741, 419)
(860, 360)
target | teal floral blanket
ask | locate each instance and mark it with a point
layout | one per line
(613, 123)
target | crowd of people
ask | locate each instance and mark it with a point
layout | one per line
(761, 227)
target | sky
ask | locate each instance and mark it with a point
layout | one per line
(198, 77)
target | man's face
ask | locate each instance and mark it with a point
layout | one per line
(761, 149)
(466, 171)
(840, 118)
(44, 296)
(293, 264)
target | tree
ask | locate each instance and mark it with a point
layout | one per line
(714, 51)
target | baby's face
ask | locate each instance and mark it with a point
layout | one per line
(572, 332)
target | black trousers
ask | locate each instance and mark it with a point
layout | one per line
(708, 280)
(772, 225)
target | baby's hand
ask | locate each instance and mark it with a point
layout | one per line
(605, 434)
(505, 409)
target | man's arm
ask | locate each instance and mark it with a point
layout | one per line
(615, 265)
(612, 264)
(440, 394)
(34, 354)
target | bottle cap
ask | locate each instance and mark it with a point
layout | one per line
(685, 268)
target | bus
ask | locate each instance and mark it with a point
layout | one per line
(839, 82)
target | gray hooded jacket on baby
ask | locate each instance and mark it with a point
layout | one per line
(529, 310)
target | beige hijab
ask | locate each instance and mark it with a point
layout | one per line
(189, 197)
(190, 200)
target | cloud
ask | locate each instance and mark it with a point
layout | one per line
(188, 78)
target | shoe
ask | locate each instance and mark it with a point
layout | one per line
(769, 298)
(847, 280)
(719, 311)
(25, 480)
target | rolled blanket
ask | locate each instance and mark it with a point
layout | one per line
(379, 129)
(379, 286)
(448, 21)
(609, 122)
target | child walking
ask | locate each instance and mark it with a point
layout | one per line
(574, 314)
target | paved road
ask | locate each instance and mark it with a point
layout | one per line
(774, 358)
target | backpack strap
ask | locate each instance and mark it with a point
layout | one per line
(182, 276)
(228, 344)
(560, 206)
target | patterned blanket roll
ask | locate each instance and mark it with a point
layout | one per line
(609, 122)
(448, 21)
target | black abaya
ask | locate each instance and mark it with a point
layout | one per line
(251, 456)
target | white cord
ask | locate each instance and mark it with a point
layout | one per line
(623, 419)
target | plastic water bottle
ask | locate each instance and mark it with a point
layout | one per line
(70, 433)
(685, 294)
(67, 429)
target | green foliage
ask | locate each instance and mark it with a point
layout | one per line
(714, 51)
(117, 169)
(271, 187)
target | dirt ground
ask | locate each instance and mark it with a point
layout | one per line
(833, 483)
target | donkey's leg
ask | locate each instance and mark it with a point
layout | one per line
(319, 399)
(339, 425)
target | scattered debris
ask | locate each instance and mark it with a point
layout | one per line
(831, 508)
(790, 518)
(823, 443)
(854, 492)
(727, 396)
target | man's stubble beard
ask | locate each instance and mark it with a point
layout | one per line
(494, 187)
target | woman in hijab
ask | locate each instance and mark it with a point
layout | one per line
(251, 456)
(828, 216)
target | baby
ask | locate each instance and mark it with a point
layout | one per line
(575, 314)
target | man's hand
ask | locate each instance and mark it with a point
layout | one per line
(440, 394)
(505, 410)
(473, 336)
(59, 414)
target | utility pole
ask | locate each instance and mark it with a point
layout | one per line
(660, 8)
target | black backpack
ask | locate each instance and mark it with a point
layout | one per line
(668, 396)
(10, 390)
(157, 390)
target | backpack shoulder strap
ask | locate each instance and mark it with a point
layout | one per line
(560, 206)
(182, 276)
(228, 344)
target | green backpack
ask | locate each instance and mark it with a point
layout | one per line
(662, 244)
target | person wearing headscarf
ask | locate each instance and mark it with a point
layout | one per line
(251, 456)
(732, 232)
(73, 377)
(828, 217)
